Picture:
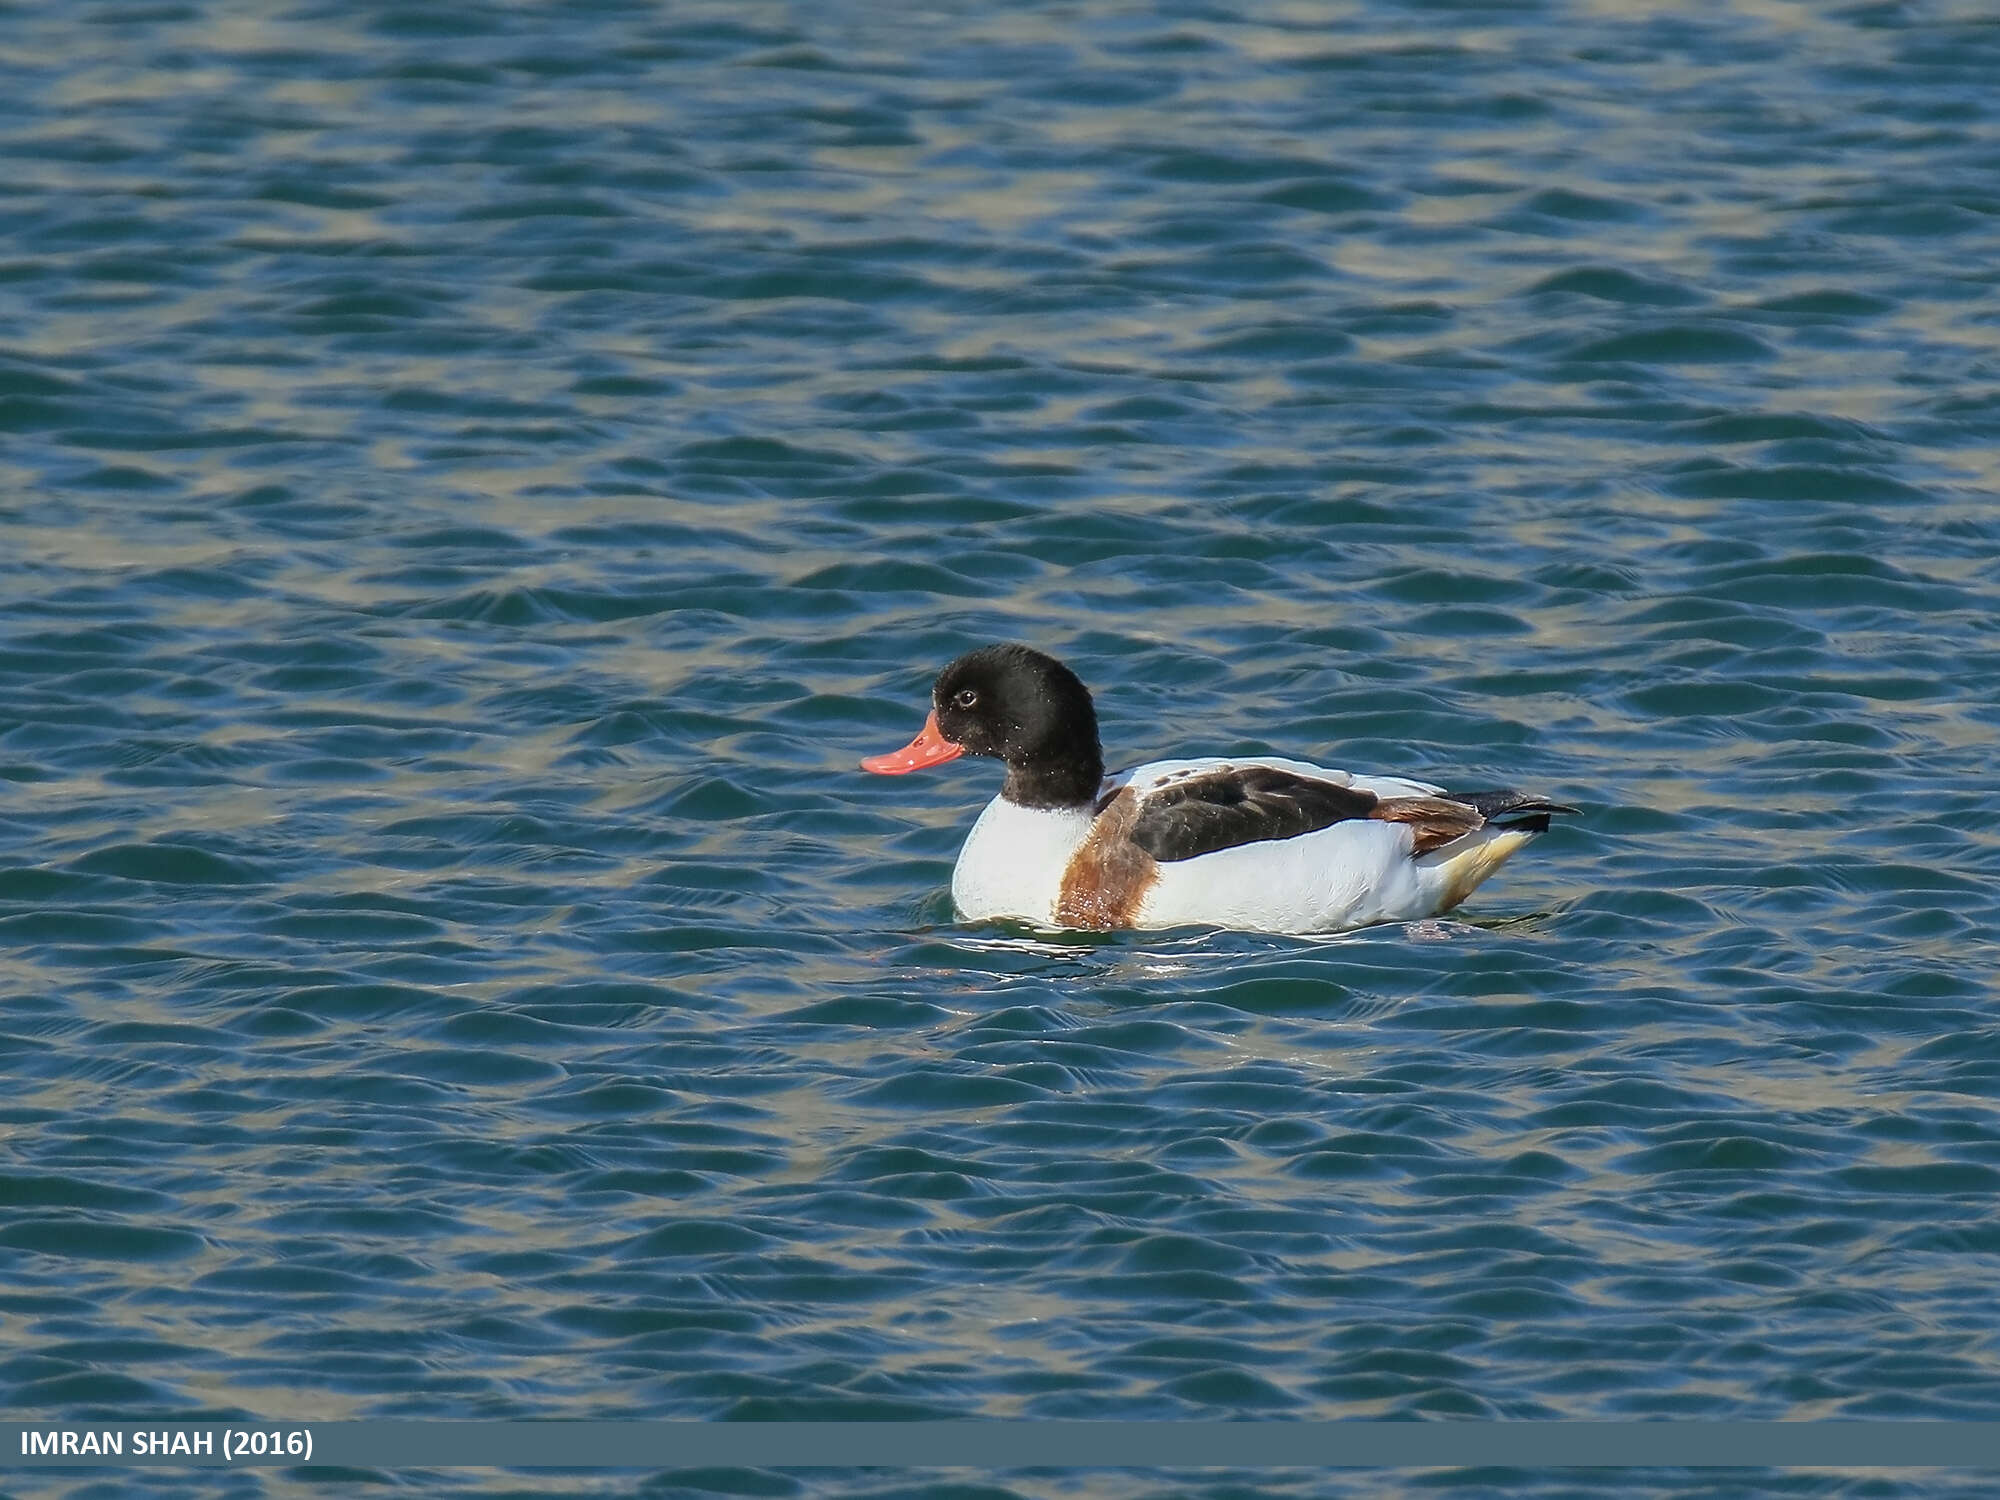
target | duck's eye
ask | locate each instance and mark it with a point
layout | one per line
(965, 697)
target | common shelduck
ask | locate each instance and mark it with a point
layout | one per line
(1249, 841)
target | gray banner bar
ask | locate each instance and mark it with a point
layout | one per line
(1009, 1445)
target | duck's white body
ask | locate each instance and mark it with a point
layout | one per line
(1353, 873)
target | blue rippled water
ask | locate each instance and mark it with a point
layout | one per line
(477, 477)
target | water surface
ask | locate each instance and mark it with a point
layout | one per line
(477, 478)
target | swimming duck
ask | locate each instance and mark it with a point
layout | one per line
(1252, 842)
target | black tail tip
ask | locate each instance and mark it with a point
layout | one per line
(1510, 809)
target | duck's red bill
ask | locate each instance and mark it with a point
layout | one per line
(929, 748)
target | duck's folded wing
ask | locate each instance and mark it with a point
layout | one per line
(1220, 809)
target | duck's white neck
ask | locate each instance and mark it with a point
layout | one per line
(1014, 859)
